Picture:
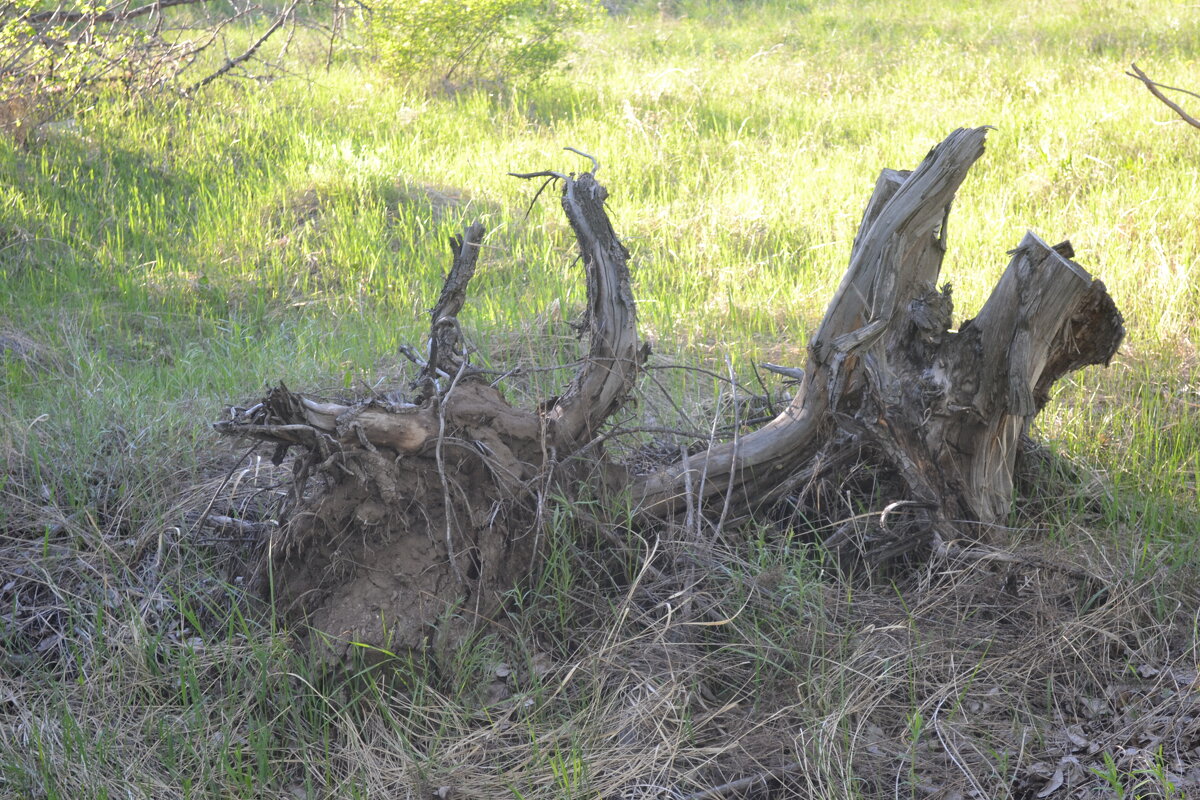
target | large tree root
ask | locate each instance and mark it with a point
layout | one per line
(430, 509)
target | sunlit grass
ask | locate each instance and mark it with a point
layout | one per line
(738, 147)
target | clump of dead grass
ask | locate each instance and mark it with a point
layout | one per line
(682, 663)
(700, 671)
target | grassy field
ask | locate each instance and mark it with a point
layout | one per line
(160, 260)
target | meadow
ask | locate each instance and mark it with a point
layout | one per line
(162, 259)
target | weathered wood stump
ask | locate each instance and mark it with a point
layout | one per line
(887, 380)
(430, 508)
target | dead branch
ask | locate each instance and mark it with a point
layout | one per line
(56, 55)
(613, 358)
(445, 333)
(904, 211)
(248, 53)
(59, 15)
(1155, 86)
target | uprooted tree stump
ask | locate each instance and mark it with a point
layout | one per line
(430, 508)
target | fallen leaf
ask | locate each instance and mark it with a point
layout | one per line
(48, 642)
(1094, 706)
(1052, 785)
(1081, 742)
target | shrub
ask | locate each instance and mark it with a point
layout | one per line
(52, 53)
(511, 41)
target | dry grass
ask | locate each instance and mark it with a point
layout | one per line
(679, 666)
(710, 666)
(676, 667)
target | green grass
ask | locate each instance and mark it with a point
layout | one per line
(168, 258)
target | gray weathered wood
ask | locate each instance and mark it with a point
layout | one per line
(608, 373)
(895, 259)
(888, 381)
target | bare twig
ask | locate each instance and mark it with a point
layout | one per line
(249, 52)
(595, 163)
(794, 373)
(115, 15)
(712, 438)
(1154, 87)
(690, 519)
